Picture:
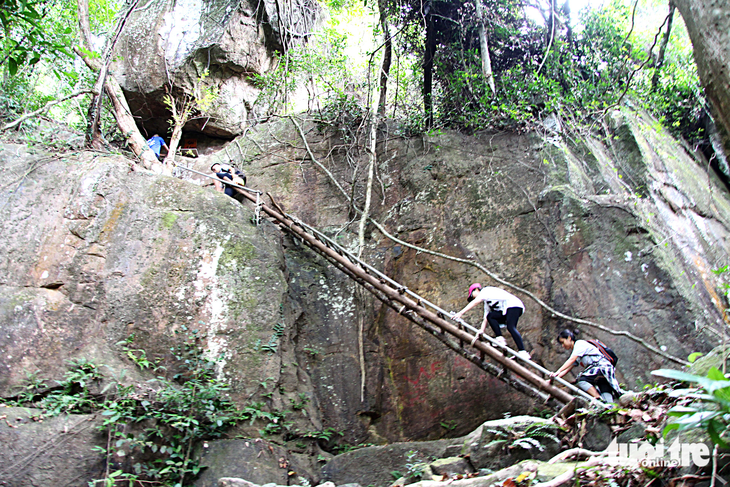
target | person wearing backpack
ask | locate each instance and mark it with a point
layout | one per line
(224, 172)
(599, 376)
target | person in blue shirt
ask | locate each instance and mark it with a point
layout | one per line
(156, 143)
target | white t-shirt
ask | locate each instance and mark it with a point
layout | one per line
(499, 299)
(588, 353)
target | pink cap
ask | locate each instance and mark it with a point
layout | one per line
(473, 287)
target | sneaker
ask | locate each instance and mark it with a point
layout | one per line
(501, 340)
(524, 354)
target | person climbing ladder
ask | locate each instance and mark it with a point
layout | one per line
(500, 307)
(599, 377)
(225, 172)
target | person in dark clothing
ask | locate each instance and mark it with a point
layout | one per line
(223, 174)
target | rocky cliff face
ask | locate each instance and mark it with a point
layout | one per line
(166, 47)
(96, 253)
(624, 232)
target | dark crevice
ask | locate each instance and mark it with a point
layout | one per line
(636, 231)
(52, 285)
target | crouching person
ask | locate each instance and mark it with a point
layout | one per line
(599, 376)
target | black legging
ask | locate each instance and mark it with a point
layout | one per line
(510, 319)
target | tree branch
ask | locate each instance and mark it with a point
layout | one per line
(552, 36)
(124, 118)
(45, 107)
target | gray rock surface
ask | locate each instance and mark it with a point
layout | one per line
(234, 482)
(622, 234)
(500, 443)
(451, 466)
(255, 460)
(597, 435)
(357, 466)
(93, 252)
(51, 451)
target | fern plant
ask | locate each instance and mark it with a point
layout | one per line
(708, 407)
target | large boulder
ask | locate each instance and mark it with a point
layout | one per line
(493, 445)
(253, 460)
(167, 46)
(501, 443)
(49, 451)
(624, 234)
(94, 254)
(380, 465)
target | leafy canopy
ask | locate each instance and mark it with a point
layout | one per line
(26, 36)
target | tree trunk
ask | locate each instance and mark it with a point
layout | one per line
(428, 55)
(552, 23)
(174, 143)
(662, 49)
(180, 115)
(568, 27)
(44, 108)
(93, 134)
(123, 116)
(122, 113)
(484, 47)
(708, 25)
(387, 57)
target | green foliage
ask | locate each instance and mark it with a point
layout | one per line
(694, 356)
(328, 434)
(136, 355)
(26, 37)
(35, 54)
(176, 416)
(708, 407)
(577, 74)
(189, 107)
(414, 468)
(314, 352)
(396, 474)
(161, 422)
(31, 388)
(74, 394)
(328, 440)
(273, 345)
(321, 66)
(301, 403)
(449, 425)
(527, 444)
(344, 112)
(535, 436)
(678, 102)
